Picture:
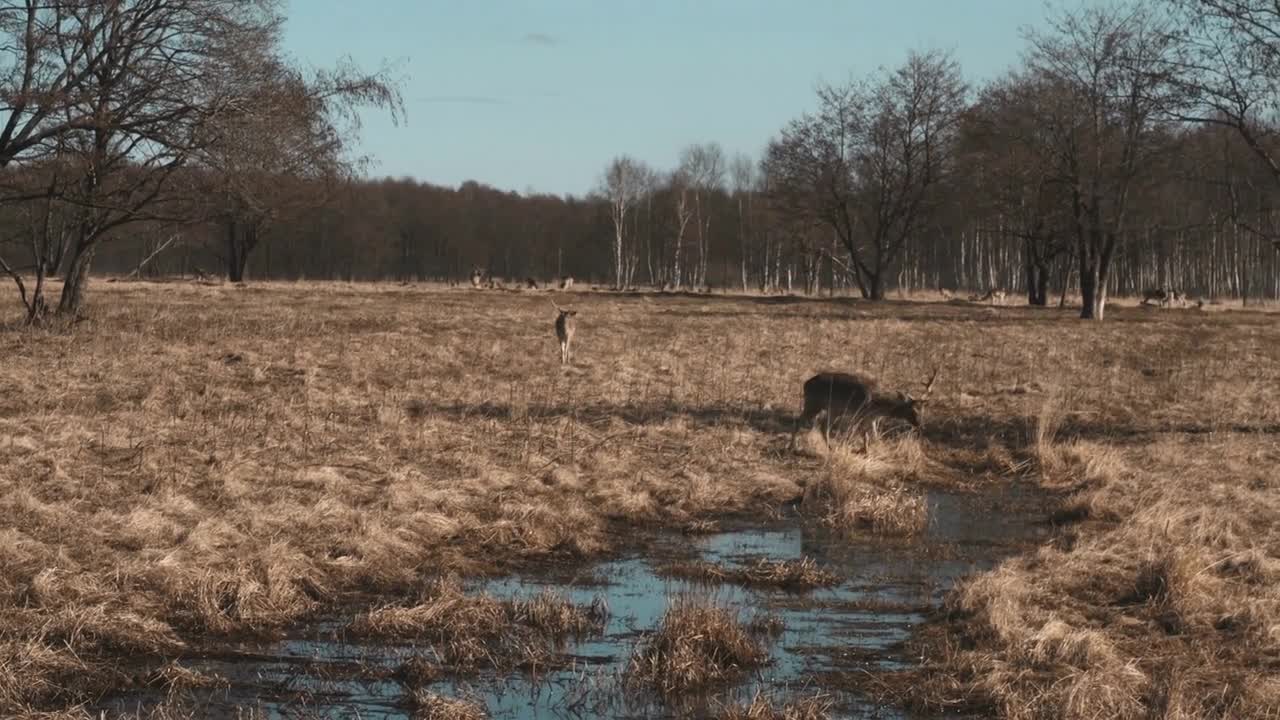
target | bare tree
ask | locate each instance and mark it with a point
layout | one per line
(1107, 64)
(284, 147)
(703, 168)
(43, 231)
(1227, 65)
(128, 93)
(1011, 171)
(163, 69)
(809, 167)
(871, 162)
(679, 183)
(742, 176)
(624, 183)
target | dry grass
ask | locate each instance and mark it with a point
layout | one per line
(1166, 604)
(794, 575)
(427, 705)
(201, 462)
(696, 645)
(876, 490)
(762, 707)
(468, 632)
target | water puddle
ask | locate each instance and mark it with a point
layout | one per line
(886, 588)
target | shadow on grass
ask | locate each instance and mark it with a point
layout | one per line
(636, 413)
(954, 432)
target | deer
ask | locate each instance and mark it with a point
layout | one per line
(945, 293)
(858, 395)
(566, 282)
(476, 278)
(566, 325)
(995, 296)
(1160, 295)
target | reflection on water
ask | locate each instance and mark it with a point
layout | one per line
(887, 587)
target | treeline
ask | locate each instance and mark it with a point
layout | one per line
(1182, 234)
(1129, 150)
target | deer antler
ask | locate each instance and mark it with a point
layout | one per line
(558, 308)
(928, 387)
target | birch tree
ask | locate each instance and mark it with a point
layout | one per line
(624, 183)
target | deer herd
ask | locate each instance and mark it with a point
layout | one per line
(1164, 296)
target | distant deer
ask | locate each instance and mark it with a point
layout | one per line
(1160, 295)
(530, 284)
(995, 296)
(857, 395)
(1179, 298)
(476, 278)
(945, 293)
(566, 282)
(566, 325)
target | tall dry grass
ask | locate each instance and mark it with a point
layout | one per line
(697, 645)
(201, 462)
(1164, 602)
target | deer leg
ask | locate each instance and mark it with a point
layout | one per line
(806, 417)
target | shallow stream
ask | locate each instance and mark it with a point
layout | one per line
(859, 624)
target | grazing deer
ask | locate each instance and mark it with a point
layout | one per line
(857, 395)
(1160, 295)
(566, 282)
(1179, 298)
(945, 293)
(566, 325)
(995, 296)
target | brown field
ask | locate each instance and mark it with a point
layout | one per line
(197, 463)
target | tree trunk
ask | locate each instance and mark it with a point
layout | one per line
(875, 286)
(1037, 283)
(77, 279)
(1088, 283)
(1042, 284)
(617, 259)
(239, 246)
(742, 243)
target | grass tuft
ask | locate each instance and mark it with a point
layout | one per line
(696, 645)
(762, 707)
(867, 491)
(427, 705)
(791, 575)
(474, 631)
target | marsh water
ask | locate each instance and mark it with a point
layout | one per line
(859, 625)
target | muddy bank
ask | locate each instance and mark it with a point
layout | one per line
(882, 589)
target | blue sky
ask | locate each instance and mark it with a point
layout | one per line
(540, 94)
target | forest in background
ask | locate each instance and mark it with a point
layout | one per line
(1134, 146)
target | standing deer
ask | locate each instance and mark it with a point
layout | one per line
(857, 395)
(476, 278)
(566, 325)
(945, 293)
(566, 282)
